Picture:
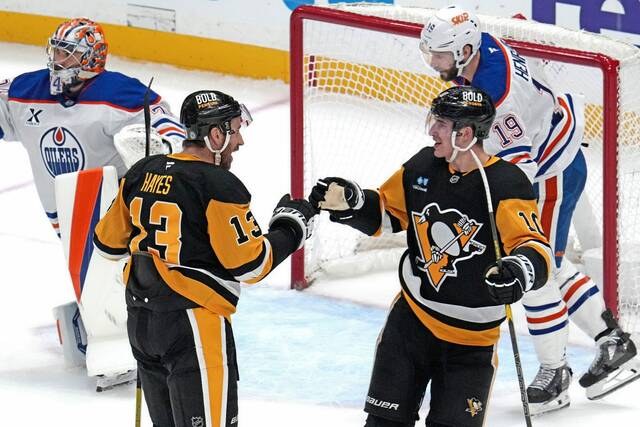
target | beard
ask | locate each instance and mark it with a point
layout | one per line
(449, 75)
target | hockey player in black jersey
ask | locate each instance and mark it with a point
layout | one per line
(443, 327)
(187, 221)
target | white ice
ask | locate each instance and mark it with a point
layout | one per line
(305, 358)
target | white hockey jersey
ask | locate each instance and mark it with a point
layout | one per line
(535, 128)
(64, 135)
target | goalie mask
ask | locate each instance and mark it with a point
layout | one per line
(77, 51)
(444, 37)
(465, 106)
(203, 110)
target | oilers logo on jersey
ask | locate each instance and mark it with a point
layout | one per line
(61, 151)
(445, 237)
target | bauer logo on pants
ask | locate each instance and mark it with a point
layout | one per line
(445, 237)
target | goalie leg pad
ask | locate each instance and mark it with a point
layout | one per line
(71, 333)
(81, 198)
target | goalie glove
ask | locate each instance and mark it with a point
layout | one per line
(338, 196)
(295, 214)
(131, 140)
(509, 278)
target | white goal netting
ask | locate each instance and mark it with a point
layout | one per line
(365, 94)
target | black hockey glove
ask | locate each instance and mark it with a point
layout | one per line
(295, 214)
(509, 279)
(338, 196)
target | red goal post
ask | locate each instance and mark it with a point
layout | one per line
(612, 126)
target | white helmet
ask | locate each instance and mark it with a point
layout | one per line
(449, 30)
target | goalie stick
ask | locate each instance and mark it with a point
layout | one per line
(147, 131)
(147, 119)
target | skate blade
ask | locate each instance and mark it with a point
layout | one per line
(104, 383)
(562, 401)
(624, 375)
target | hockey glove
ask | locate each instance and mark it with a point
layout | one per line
(131, 140)
(338, 196)
(509, 279)
(295, 214)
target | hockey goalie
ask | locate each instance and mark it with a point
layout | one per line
(81, 126)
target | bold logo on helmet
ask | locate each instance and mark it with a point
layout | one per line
(459, 19)
(473, 99)
(472, 96)
(207, 100)
(61, 151)
(445, 237)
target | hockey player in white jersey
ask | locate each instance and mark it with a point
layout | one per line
(541, 132)
(67, 116)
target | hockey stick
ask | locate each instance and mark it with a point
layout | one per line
(147, 131)
(138, 399)
(147, 119)
(512, 329)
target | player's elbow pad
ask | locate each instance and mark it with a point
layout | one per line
(539, 263)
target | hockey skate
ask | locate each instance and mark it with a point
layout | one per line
(549, 390)
(614, 365)
(105, 382)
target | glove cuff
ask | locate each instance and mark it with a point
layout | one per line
(528, 272)
(294, 219)
(359, 195)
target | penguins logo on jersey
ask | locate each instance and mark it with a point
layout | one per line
(445, 237)
(61, 151)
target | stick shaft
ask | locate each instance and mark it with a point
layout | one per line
(138, 399)
(512, 329)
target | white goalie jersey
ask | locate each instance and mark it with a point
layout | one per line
(64, 135)
(535, 128)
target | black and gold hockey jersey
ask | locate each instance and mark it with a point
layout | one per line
(196, 219)
(450, 242)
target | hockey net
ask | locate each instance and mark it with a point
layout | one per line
(359, 97)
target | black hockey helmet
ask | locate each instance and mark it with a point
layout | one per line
(466, 106)
(205, 109)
